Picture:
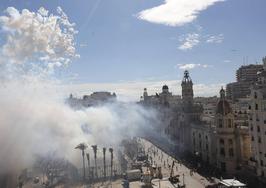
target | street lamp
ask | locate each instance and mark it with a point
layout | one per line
(82, 147)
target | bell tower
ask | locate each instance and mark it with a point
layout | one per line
(187, 89)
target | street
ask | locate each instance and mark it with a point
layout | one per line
(161, 159)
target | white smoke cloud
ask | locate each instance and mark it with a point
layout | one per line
(34, 119)
(35, 122)
(38, 36)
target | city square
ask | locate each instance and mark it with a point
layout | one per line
(132, 94)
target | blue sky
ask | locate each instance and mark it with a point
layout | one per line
(116, 46)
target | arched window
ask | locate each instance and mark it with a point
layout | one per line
(220, 123)
(229, 123)
(231, 152)
(222, 151)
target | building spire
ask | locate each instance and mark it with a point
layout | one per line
(187, 89)
(186, 77)
(222, 93)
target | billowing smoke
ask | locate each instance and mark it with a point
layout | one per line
(34, 119)
(34, 122)
(41, 37)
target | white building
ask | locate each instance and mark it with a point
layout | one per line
(257, 123)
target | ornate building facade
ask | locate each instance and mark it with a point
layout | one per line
(257, 123)
(232, 139)
(219, 137)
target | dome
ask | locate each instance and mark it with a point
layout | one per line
(165, 87)
(223, 107)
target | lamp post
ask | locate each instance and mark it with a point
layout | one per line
(94, 147)
(82, 147)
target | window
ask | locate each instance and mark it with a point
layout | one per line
(231, 152)
(220, 122)
(222, 141)
(264, 106)
(261, 162)
(255, 95)
(230, 141)
(252, 138)
(222, 152)
(229, 121)
(256, 106)
(258, 128)
(257, 117)
(259, 140)
(207, 147)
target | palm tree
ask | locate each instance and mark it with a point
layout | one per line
(111, 150)
(88, 159)
(94, 147)
(104, 164)
(82, 147)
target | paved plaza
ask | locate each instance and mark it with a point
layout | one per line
(157, 158)
(163, 160)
